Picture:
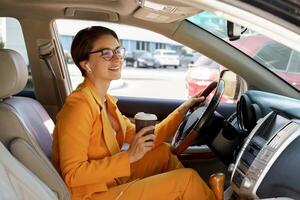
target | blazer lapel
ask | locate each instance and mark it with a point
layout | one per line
(109, 137)
(113, 109)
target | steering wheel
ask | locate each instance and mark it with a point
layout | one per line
(191, 126)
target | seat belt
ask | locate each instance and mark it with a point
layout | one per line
(46, 51)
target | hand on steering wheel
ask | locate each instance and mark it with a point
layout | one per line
(190, 128)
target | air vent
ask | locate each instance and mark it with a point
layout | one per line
(232, 118)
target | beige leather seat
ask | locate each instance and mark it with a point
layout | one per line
(17, 182)
(25, 127)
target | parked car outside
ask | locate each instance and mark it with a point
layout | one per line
(188, 58)
(166, 57)
(204, 71)
(140, 58)
(200, 74)
(280, 59)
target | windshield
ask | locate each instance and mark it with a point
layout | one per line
(287, 9)
(282, 60)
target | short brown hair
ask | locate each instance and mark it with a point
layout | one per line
(83, 43)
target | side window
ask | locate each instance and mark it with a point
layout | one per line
(274, 55)
(294, 64)
(11, 37)
(154, 67)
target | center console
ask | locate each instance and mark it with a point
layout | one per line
(266, 159)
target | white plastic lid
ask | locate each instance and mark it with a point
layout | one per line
(145, 116)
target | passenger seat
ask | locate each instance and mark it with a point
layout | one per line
(18, 183)
(25, 127)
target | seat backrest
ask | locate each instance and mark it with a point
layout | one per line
(17, 182)
(25, 127)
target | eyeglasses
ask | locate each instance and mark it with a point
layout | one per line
(107, 54)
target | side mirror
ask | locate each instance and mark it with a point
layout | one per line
(234, 85)
(234, 31)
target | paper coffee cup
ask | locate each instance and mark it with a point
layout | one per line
(143, 120)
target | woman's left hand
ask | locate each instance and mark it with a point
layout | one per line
(196, 99)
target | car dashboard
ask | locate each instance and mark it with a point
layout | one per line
(266, 165)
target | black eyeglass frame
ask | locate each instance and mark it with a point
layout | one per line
(113, 50)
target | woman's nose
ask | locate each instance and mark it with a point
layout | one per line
(116, 58)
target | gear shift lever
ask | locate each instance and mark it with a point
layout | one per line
(216, 183)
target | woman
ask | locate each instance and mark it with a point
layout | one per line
(90, 130)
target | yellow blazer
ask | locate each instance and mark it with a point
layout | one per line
(85, 150)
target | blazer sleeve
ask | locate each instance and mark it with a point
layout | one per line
(168, 126)
(74, 126)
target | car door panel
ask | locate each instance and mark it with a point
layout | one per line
(129, 106)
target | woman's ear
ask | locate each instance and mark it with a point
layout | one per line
(85, 65)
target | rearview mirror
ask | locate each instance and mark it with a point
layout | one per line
(234, 31)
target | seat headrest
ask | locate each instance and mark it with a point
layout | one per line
(13, 73)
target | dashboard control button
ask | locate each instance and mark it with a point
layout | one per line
(247, 183)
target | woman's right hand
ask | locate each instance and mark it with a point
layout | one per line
(141, 144)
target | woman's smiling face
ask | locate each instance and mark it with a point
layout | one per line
(98, 65)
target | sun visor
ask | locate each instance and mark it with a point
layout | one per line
(87, 13)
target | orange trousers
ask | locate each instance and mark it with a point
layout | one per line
(159, 175)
